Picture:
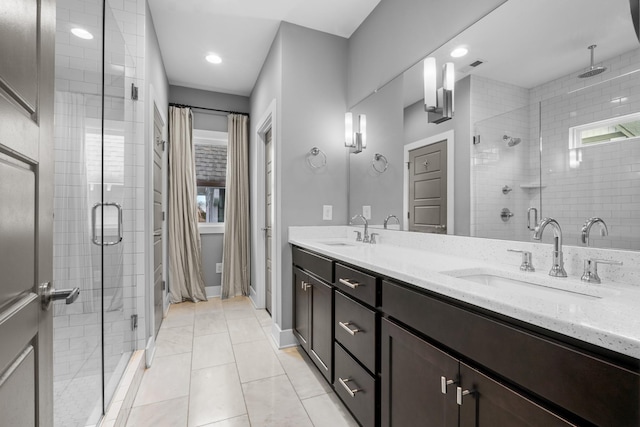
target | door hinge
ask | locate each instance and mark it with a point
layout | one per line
(408, 165)
(408, 214)
(163, 215)
(164, 285)
(134, 322)
(134, 92)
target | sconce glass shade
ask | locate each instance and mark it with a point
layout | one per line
(438, 102)
(448, 76)
(348, 130)
(363, 129)
(430, 84)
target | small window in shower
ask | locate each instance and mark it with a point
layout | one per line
(605, 131)
(211, 174)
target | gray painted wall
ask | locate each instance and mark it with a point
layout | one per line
(383, 192)
(210, 255)
(417, 128)
(201, 98)
(398, 33)
(305, 73)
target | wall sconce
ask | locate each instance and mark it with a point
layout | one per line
(438, 102)
(355, 139)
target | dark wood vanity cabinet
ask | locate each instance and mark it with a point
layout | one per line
(313, 310)
(405, 356)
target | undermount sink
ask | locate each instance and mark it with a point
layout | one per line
(530, 288)
(338, 244)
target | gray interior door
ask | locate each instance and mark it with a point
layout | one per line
(158, 219)
(27, 31)
(428, 188)
(268, 182)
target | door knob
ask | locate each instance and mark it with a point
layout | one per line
(48, 294)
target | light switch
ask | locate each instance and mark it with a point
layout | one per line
(366, 212)
(327, 212)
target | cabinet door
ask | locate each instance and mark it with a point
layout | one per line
(302, 313)
(491, 404)
(411, 375)
(321, 344)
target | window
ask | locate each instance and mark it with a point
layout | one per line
(605, 131)
(211, 174)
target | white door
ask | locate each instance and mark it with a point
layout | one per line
(27, 33)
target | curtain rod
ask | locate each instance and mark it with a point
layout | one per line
(173, 104)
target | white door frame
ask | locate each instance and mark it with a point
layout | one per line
(258, 292)
(449, 137)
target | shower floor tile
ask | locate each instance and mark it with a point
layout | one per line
(234, 371)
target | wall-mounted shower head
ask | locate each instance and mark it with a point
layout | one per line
(511, 141)
(592, 71)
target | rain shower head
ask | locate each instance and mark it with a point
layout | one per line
(511, 141)
(592, 71)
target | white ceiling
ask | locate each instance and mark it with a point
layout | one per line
(527, 43)
(241, 32)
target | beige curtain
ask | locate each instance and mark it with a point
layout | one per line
(185, 265)
(235, 253)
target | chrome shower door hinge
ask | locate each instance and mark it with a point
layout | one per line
(134, 92)
(134, 322)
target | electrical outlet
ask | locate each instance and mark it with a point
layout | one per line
(218, 267)
(327, 212)
(366, 212)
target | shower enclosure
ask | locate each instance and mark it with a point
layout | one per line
(94, 211)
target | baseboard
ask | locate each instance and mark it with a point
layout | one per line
(150, 351)
(213, 291)
(283, 339)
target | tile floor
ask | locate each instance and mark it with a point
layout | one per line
(216, 365)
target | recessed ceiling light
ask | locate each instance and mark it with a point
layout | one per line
(459, 52)
(82, 33)
(213, 58)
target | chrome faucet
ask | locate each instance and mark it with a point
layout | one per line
(386, 220)
(586, 228)
(557, 269)
(366, 227)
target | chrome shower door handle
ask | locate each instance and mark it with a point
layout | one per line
(535, 218)
(94, 237)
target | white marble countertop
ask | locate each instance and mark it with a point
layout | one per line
(605, 315)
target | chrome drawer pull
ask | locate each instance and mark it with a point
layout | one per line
(349, 283)
(444, 382)
(345, 326)
(461, 393)
(352, 392)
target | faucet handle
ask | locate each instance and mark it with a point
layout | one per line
(358, 236)
(590, 273)
(527, 264)
(372, 238)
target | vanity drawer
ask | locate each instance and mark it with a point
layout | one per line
(361, 322)
(314, 263)
(361, 285)
(355, 386)
(594, 389)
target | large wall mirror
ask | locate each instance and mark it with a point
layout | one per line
(537, 130)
